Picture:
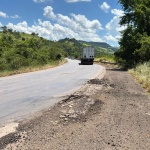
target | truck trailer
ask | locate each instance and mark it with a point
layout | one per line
(87, 55)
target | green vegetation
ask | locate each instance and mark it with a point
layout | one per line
(31, 68)
(102, 45)
(20, 52)
(74, 47)
(135, 41)
(134, 49)
(106, 58)
(142, 74)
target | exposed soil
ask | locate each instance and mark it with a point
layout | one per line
(112, 113)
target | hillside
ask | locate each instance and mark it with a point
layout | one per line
(101, 46)
(19, 50)
(73, 47)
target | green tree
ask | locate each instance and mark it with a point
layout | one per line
(136, 18)
(4, 28)
(16, 34)
(144, 51)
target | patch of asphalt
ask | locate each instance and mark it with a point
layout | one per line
(73, 108)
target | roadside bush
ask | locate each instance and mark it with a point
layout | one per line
(106, 58)
(142, 73)
(58, 57)
(16, 63)
(3, 64)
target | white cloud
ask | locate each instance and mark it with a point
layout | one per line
(68, 22)
(112, 24)
(46, 24)
(22, 27)
(38, 1)
(63, 32)
(85, 23)
(117, 12)
(4, 15)
(48, 12)
(120, 28)
(73, 26)
(83, 28)
(41, 1)
(15, 16)
(109, 37)
(23, 24)
(74, 1)
(105, 7)
(113, 27)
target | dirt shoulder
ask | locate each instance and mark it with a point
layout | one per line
(112, 113)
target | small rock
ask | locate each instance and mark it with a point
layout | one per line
(71, 111)
(66, 115)
(62, 116)
(73, 116)
(66, 119)
(63, 111)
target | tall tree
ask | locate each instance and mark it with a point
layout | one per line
(4, 28)
(136, 18)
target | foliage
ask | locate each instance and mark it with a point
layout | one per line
(102, 45)
(144, 51)
(135, 41)
(106, 58)
(141, 73)
(74, 47)
(19, 50)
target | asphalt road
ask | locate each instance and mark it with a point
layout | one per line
(24, 94)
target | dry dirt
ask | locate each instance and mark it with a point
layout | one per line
(112, 113)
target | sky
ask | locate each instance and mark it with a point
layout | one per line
(88, 20)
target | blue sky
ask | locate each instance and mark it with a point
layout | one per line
(88, 20)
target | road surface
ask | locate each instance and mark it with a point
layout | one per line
(24, 94)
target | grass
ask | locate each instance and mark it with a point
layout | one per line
(32, 68)
(106, 58)
(142, 75)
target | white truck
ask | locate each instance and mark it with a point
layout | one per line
(87, 55)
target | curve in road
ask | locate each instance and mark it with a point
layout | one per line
(23, 94)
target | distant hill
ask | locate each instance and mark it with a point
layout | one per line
(73, 47)
(101, 44)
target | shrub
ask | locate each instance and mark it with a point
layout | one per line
(142, 73)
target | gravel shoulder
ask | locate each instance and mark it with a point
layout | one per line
(112, 113)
